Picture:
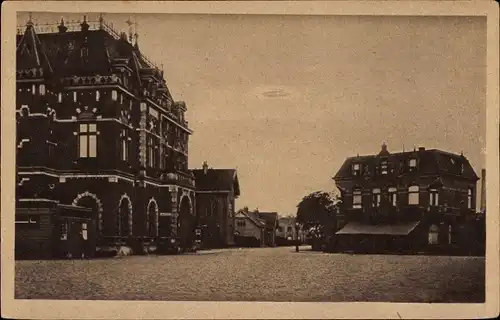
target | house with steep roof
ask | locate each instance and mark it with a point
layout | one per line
(216, 191)
(98, 127)
(250, 229)
(271, 224)
(411, 201)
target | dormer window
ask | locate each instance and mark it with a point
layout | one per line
(412, 164)
(384, 167)
(356, 169)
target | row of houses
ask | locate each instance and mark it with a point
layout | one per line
(102, 151)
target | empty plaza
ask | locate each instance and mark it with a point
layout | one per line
(256, 274)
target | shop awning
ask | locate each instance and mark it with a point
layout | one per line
(399, 229)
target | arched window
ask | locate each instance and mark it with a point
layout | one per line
(433, 197)
(413, 195)
(357, 199)
(433, 234)
(376, 197)
(393, 196)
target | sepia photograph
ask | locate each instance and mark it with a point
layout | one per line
(175, 156)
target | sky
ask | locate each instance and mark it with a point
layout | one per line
(286, 99)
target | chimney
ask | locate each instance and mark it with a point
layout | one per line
(85, 26)
(205, 167)
(421, 149)
(62, 28)
(483, 190)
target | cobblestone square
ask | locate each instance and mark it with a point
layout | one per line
(257, 274)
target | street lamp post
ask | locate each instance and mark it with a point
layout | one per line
(297, 237)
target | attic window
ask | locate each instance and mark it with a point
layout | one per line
(356, 169)
(383, 167)
(412, 164)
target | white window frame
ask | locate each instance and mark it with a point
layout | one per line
(357, 199)
(87, 140)
(412, 163)
(470, 195)
(414, 195)
(356, 169)
(85, 235)
(433, 197)
(393, 196)
(384, 167)
(376, 197)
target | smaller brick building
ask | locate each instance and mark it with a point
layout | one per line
(46, 229)
(216, 192)
(416, 201)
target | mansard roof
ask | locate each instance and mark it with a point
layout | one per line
(217, 180)
(430, 162)
(61, 53)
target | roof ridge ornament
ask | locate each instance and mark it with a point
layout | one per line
(29, 23)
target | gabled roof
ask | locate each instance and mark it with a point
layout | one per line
(217, 180)
(253, 217)
(269, 217)
(430, 162)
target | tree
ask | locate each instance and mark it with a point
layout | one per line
(317, 209)
(317, 215)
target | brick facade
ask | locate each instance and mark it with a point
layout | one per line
(98, 127)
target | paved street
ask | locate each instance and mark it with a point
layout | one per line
(267, 274)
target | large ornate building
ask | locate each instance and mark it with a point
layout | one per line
(98, 127)
(420, 200)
